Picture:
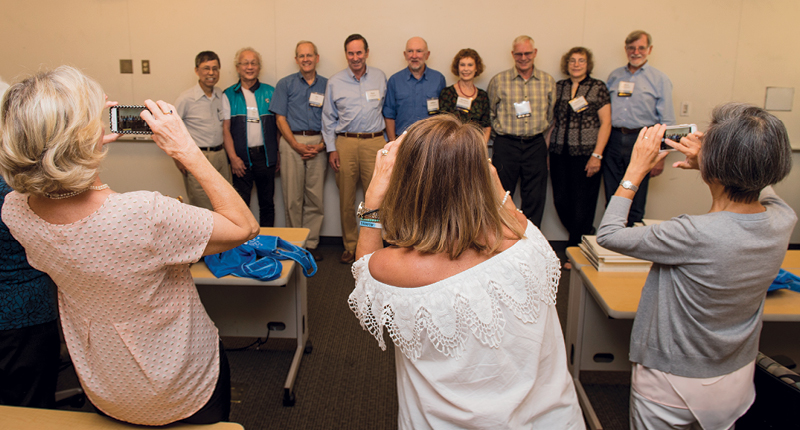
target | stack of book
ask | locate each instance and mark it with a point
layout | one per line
(605, 260)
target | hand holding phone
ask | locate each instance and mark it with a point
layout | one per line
(675, 133)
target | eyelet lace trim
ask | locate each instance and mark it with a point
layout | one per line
(521, 279)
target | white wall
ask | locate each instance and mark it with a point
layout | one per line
(713, 50)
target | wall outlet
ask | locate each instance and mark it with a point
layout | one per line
(145, 67)
(686, 108)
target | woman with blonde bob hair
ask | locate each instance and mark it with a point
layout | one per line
(144, 348)
(466, 291)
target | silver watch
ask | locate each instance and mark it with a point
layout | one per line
(628, 185)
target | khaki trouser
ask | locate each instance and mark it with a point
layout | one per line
(194, 192)
(303, 184)
(357, 161)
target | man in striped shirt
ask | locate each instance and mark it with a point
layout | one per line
(521, 107)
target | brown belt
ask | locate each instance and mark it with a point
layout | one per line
(361, 135)
(624, 130)
(213, 148)
(306, 132)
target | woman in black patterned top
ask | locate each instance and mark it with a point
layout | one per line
(580, 130)
(463, 99)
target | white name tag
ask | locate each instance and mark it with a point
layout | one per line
(252, 114)
(625, 89)
(464, 103)
(433, 106)
(316, 99)
(373, 95)
(579, 104)
(523, 109)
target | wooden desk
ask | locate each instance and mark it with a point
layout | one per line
(47, 419)
(244, 306)
(598, 330)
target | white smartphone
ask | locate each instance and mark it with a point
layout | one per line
(675, 133)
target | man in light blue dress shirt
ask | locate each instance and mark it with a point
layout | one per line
(297, 105)
(352, 127)
(641, 96)
(412, 93)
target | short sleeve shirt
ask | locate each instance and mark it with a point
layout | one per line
(143, 346)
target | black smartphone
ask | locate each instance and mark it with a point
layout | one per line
(125, 119)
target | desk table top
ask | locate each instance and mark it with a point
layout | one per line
(49, 419)
(296, 236)
(618, 293)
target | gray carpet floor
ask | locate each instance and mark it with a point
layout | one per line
(347, 381)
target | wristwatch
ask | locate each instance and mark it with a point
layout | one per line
(365, 213)
(628, 185)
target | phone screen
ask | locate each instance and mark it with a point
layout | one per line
(675, 134)
(126, 120)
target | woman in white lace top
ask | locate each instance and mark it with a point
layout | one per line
(466, 291)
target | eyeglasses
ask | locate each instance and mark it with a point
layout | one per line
(577, 61)
(637, 48)
(523, 54)
(209, 69)
(254, 64)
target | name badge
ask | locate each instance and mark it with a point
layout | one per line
(464, 104)
(433, 106)
(316, 99)
(625, 89)
(252, 114)
(523, 109)
(373, 95)
(579, 104)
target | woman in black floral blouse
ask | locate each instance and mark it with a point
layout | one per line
(580, 130)
(464, 99)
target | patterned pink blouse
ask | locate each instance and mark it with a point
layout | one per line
(143, 346)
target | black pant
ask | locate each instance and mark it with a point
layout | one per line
(29, 360)
(574, 195)
(616, 157)
(263, 177)
(525, 160)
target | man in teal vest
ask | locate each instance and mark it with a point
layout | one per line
(251, 134)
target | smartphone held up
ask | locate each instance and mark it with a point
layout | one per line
(126, 119)
(675, 133)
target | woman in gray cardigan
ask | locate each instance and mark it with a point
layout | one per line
(696, 332)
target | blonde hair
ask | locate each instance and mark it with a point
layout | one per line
(50, 127)
(441, 197)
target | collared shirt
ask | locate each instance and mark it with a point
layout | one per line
(291, 99)
(650, 103)
(407, 97)
(202, 115)
(346, 107)
(507, 88)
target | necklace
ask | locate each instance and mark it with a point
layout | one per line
(464, 92)
(75, 193)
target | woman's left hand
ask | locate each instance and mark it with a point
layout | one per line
(646, 152)
(381, 176)
(592, 167)
(108, 138)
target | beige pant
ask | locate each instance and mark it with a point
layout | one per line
(303, 184)
(194, 192)
(357, 158)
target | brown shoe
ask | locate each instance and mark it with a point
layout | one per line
(316, 254)
(347, 257)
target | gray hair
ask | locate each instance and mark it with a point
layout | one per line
(242, 51)
(745, 149)
(522, 39)
(636, 35)
(303, 42)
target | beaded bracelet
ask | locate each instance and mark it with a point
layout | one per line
(505, 198)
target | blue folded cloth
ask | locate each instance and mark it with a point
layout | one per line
(259, 259)
(785, 279)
